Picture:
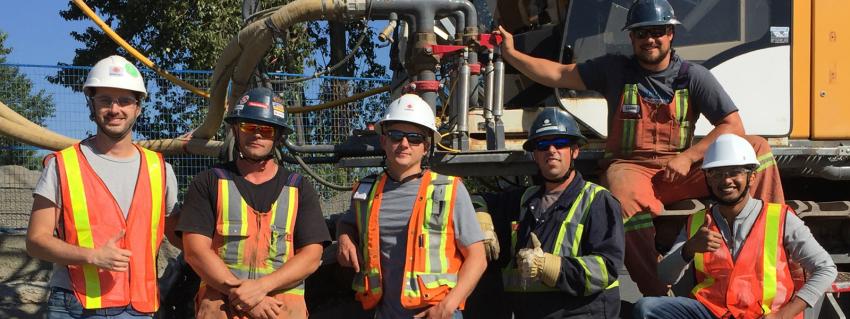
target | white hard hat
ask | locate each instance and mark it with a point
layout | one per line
(412, 109)
(115, 72)
(730, 150)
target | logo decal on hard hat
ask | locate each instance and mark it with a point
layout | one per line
(243, 100)
(546, 122)
(131, 70)
(278, 109)
(546, 128)
(116, 71)
(409, 106)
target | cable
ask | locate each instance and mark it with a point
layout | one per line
(135, 53)
(446, 148)
(338, 64)
(319, 178)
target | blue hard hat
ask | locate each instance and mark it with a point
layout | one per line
(644, 13)
(262, 106)
(553, 121)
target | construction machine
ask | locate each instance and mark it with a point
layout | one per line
(783, 62)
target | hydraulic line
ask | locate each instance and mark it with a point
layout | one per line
(319, 178)
(340, 102)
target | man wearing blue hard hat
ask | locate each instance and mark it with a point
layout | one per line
(654, 100)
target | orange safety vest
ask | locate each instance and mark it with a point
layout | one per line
(645, 128)
(253, 243)
(91, 217)
(433, 258)
(758, 282)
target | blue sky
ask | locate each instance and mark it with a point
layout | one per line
(37, 34)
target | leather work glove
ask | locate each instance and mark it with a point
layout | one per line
(534, 264)
(491, 242)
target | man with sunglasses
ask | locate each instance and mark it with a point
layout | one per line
(565, 234)
(654, 100)
(252, 230)
(101, 206)
(738, 251)
(411, 234)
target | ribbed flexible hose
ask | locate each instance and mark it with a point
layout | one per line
(22, 130)
(242, 54)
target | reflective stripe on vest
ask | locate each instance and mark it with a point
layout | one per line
(730, 287)
(251, 243)
(87, 204)
(432, 256)
(572, 228)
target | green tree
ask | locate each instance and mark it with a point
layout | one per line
(191, 35)
(17, 92)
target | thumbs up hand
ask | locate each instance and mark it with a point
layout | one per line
(110, 256)
(534, 264)
(704, 240)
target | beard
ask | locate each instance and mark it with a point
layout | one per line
(650, 59)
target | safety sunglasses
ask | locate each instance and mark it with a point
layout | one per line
(265, 131)
(106, 101)
(726, 172)
(558, 143)
(655, 32)
(412, 138)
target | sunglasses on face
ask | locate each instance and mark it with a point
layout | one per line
(265, 131)
(726, 172)
(412, 138)
(644, 33)
(558, 143)
(107, 101)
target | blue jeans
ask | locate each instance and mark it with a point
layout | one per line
(670, 308)
(62, 304)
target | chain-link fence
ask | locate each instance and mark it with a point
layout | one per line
(169, 111)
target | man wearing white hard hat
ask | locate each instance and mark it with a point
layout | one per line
(100, 207)
(411, 234)
(738, 251)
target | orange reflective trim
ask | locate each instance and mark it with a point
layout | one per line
(82, 225)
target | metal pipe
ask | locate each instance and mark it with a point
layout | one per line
(488, 90)
(339, 150)
(835, 173)
(498, 90)
(422, 9)
(463, 99)
(428, 96)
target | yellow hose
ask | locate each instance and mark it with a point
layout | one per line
(335, 103)
(451, 150)
(22, 130)
(135, 53)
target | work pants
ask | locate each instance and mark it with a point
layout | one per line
(670, 308)
(640, 187)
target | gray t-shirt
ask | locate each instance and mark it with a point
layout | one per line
(119, 175)
(609, 73)
(395, 214)
(800, 246)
